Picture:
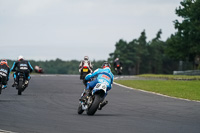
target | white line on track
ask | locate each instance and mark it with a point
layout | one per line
(155, 93)
(4, 131)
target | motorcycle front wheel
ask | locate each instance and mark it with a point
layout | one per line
(80, 110)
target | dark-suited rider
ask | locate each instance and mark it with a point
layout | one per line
(21, 66)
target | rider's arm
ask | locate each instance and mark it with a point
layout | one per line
(91, 75)
(13, 67)
(8, 76)
(110, 87)
(90, 64)
(81, 64)
(30, 67)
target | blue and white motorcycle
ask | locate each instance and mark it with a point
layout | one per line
(94, 101)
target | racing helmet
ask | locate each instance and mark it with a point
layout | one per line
(86, 58)
(116, 59)
(20, 57)
(4, 61)
(105, 64)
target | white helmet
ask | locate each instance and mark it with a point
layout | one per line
(20, 57)
(116, 59)
(86, 58)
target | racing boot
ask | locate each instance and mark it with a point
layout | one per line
(14, 84)
(4, 86)
(85, 95)
(102, 104)
(26, 82)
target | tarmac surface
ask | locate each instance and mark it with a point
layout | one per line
(49, 105)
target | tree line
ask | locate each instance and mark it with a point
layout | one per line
(140, 56)
(59, 66)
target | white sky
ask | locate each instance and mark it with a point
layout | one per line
(70, 29)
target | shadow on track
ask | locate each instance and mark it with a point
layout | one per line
(97, 115)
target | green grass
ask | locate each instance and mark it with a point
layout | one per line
(181, 89)
(171, 77)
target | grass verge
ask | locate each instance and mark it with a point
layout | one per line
(181, 89)
(170, 77)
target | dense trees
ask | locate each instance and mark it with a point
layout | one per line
(185, 43)
(140, 56)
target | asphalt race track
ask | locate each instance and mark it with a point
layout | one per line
(49, 105)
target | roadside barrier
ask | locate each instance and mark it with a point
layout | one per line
(188, 72)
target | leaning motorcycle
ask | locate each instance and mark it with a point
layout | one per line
(21, 86)
(94, 101)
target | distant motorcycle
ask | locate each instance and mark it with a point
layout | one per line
(38, 69)
(22, 83)
(118, 69)
(84, 71)
(94, 101)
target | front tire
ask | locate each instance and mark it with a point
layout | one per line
(93, 108)
(80, 110)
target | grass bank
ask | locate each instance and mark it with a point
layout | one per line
(170, 77)
(176, 88)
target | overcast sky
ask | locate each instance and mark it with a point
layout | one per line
(70, 29)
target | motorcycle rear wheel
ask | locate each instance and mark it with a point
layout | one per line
(1, 85)
(20, 87)
(93, 108)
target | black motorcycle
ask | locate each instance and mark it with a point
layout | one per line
(22, 83)
(84, 71)
(118, 69)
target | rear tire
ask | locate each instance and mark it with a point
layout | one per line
(20, 87)
(0, 88)
(93, 108)
(80, 110)
(1, 85)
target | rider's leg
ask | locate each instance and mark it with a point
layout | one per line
(4, 82)
(27, 77)
(91, 85)
(87, 91)
(15, 79)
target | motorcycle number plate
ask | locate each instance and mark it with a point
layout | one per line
(85, 70)
(101, 86)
